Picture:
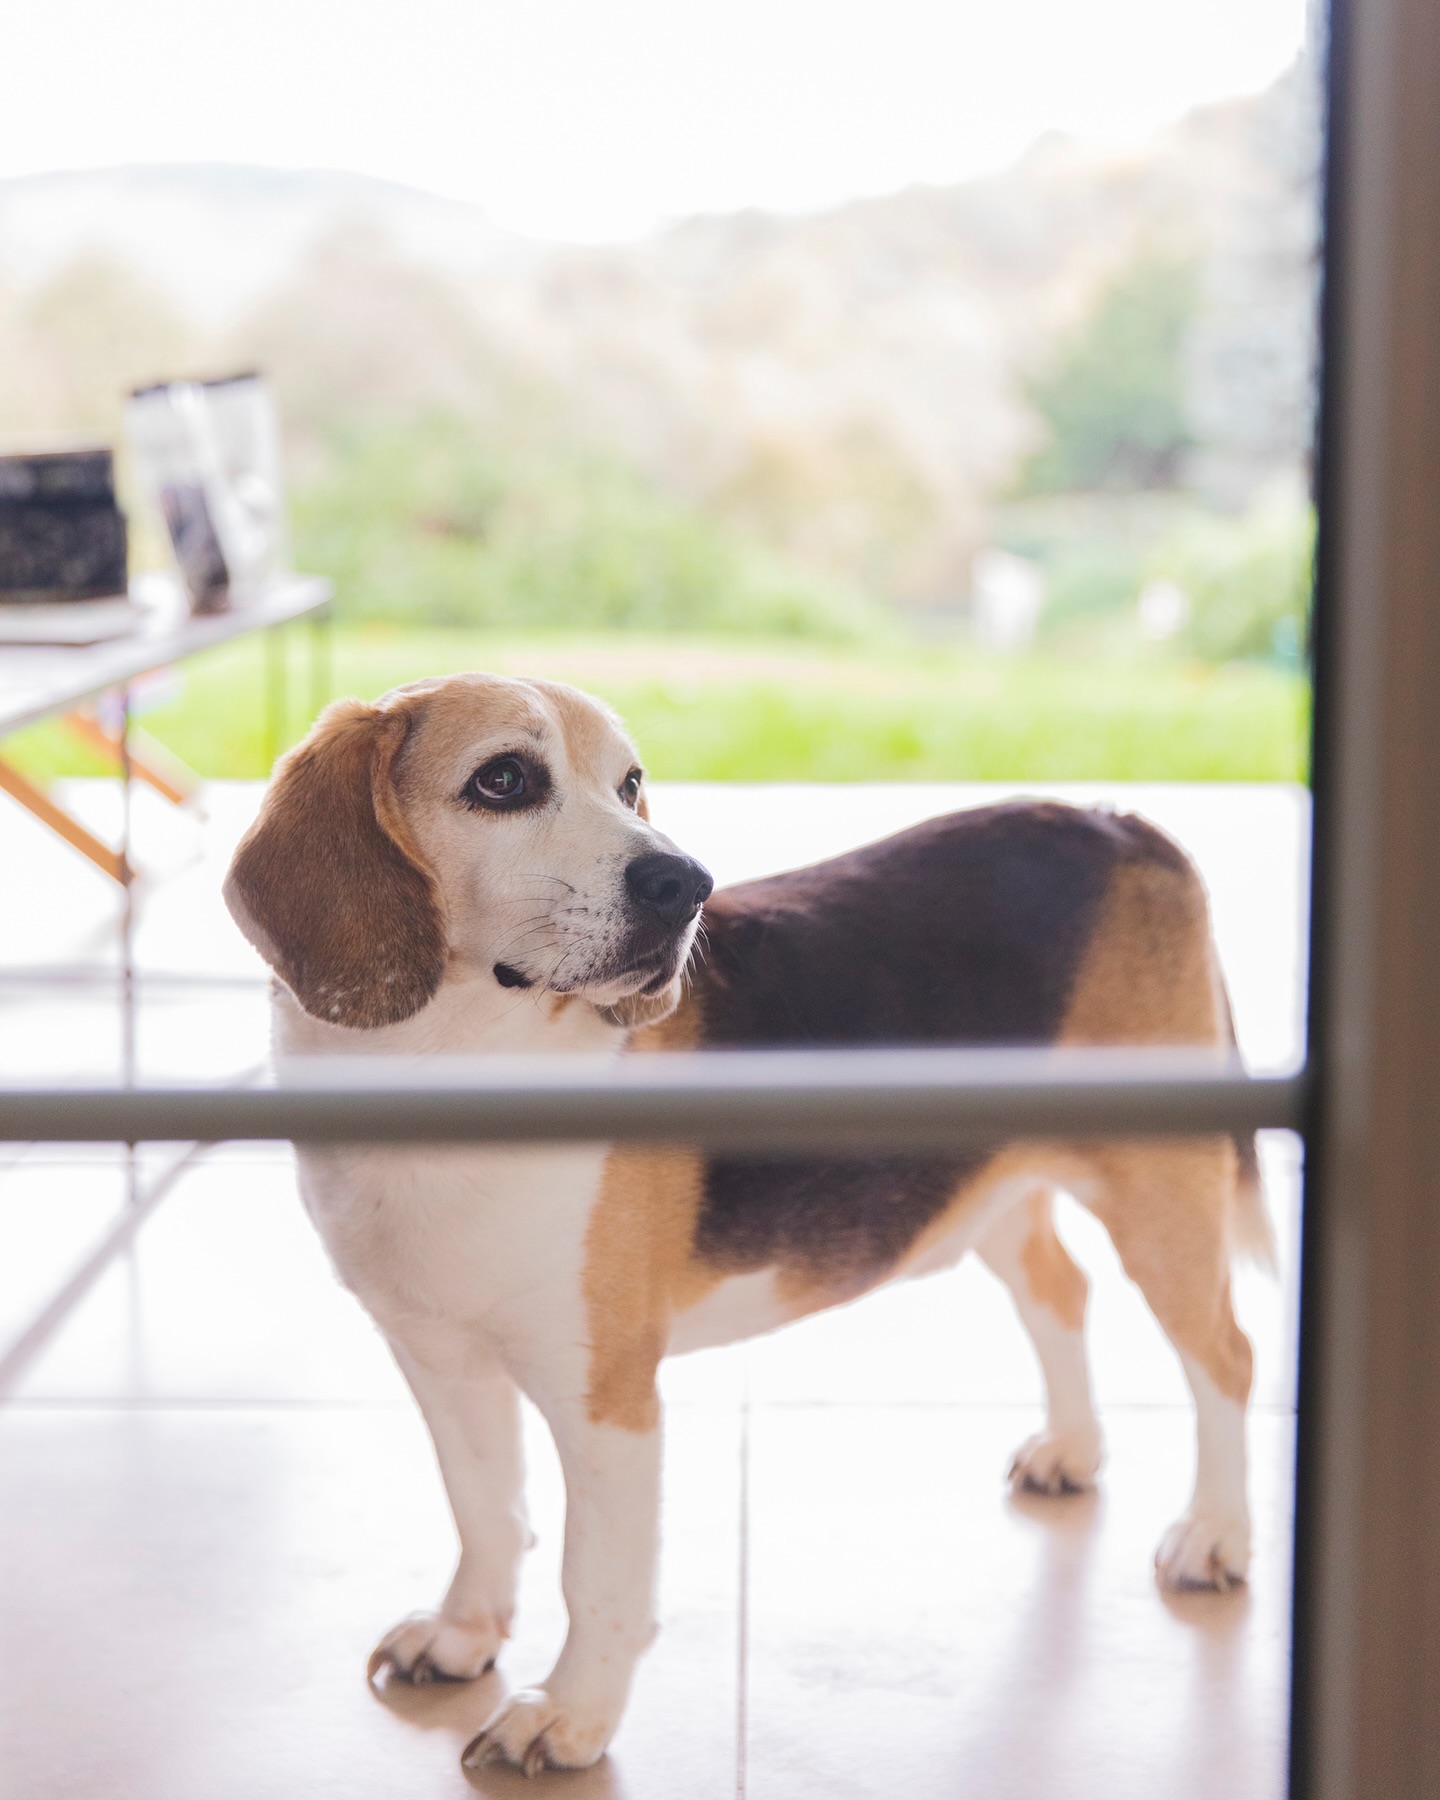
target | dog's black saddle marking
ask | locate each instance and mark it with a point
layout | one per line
(965, 930)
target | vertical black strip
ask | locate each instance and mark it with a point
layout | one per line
(1332, 23)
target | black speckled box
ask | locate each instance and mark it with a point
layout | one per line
(62, 537)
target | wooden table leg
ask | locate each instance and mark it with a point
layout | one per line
(35, 800)
(322, 660)
(276, 706)
(150, 762)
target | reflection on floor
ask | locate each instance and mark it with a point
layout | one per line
(214, 1494)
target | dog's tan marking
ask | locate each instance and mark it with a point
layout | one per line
(1148, 974)
(1051, 1273)
(589, 725)
(638, 1273)
(447, 715)
(1149, 977)
(1165, 1207)
(639, 1267)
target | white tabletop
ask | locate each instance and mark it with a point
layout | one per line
(40, 680)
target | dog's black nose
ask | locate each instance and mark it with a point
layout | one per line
(672, 888)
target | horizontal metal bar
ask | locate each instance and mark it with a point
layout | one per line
(42, 681)
(790, 1102)
(45, 978)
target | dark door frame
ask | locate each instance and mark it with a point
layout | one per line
(1367, 1591)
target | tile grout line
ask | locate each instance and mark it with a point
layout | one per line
(742, 1657)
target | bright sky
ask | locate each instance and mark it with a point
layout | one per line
(593, 119)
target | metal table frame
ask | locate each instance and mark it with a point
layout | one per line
(40, 682)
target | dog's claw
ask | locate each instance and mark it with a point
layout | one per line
(1051, 1486)
(425, 1649)
(481, 1751)
(1056, 1463)
(1204, 1552)
(534, 1731)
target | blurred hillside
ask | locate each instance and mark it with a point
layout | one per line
(214, 237)
(744, 422)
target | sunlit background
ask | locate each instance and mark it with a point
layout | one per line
(903, 390)
(901, 404)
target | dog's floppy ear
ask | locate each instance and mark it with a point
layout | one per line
(327, 883)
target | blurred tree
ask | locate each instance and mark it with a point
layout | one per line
(90, 334)
(1248, 579)
(853, 504)
(359, 337)
(433, 522)
(1113, 399)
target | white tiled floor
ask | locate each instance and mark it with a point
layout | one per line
(214, 1493)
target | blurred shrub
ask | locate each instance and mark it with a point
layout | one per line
(1248, 581)
(424, 523)
(1246, 578)
(1086, 581)
(359, 337)
(1113, 398)
(73, 347)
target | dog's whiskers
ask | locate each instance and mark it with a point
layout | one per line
(540, 875)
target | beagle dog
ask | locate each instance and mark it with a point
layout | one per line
(467, 866)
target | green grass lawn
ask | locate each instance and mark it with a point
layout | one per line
(713, 710)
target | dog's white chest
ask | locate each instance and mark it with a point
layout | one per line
(486, 1238)
(478, 1237)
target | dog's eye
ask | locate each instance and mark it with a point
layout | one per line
(630, 788)
(504, 782)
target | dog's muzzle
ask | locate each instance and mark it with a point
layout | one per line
(667, 889)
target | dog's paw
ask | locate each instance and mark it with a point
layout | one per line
(1062, 1462)
(1204, 1550)
(427, 1647)
(536, 1730)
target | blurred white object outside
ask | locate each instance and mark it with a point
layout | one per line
(209, 454)
(1007, 597)
(1163, 609)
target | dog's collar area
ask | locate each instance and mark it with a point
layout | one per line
(511, 978)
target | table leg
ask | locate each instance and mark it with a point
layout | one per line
(275, 694)
(150, 762)
(322, 660)
(35, 800)
(127, 940)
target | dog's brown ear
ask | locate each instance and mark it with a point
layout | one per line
(327, 883)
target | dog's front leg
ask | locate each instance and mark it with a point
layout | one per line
(473, 1410)
(612, 1506)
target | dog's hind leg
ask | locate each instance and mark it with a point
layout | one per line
(1171, 1210)
(473, 1412)
(1050, 1293)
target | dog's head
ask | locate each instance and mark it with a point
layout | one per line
(474, 823)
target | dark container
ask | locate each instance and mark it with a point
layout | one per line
(62, 537)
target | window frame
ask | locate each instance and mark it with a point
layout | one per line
(1366, 1624)
(1366, 1628)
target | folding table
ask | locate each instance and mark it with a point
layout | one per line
(47, 681)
